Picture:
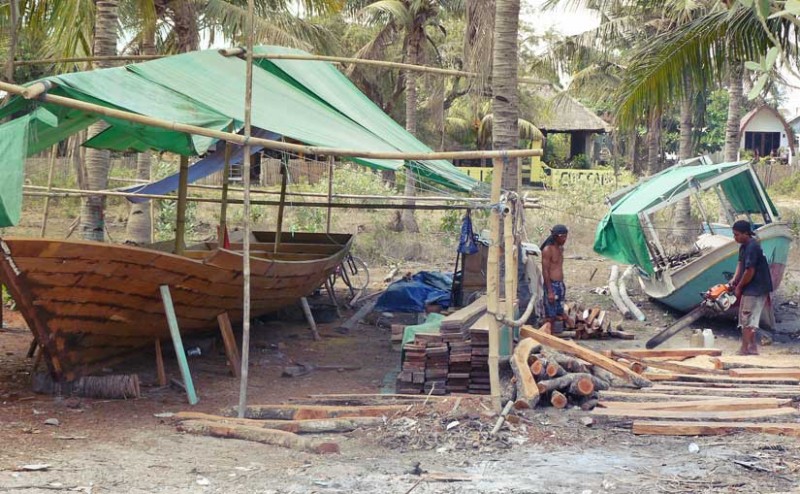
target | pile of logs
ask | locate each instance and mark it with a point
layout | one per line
(584, 324)
(562, 373)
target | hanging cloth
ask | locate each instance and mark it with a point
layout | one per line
(466, 243)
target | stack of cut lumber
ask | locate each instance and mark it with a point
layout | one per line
(479, 361)
(455, 327)
(737, 394)
(591, 323)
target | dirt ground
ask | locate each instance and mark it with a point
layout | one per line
(103, 446)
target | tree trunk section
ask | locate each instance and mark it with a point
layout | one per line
(256, 434)
(732, 134)
(527, 391)
(505, 102)
(92, 226)
(408, 218)
(683, 209)
(654, 143)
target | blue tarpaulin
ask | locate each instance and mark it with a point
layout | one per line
(424, 288)
(203, 168)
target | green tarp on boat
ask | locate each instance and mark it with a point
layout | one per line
(309, 102)
(620, 235)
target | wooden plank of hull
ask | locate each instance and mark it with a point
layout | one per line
(98, 303)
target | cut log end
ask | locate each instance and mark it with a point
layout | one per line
(558, 400)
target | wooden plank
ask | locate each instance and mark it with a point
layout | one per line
(312, 426)
(756, 361)
(717, 404)
(229, 341)
(722, 392)
(304, 412)
(709, 378)
(771, 373)
(637, 396)
(784, 387)
(671, 428)
(257, 434)
(584, 353)
(175, 332)
(666, 352)
(665, 365)
(160, 372)
(692, 415)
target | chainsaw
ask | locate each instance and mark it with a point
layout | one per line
(716, 300)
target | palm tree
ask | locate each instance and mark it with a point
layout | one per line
(411, 20)
(505, 98)
(92, 225)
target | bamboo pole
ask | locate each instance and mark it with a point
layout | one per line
(248, 99)
(330, 193)
(180, 223)
(282, 201)
(223, 210)
(34, 191)
(266, 143)
(113, 58)
(493, 288)
(511, 270)
(46, 212)
(232, 52)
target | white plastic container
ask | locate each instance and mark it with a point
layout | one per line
(696, 340)
(708, 338)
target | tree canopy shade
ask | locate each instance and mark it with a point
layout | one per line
(620, 234)
(309, 102)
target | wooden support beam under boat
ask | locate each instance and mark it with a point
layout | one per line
(160, 372)
(180, 353)
(223, 210)
(282, 202)
(229, 341)
(309, 318)
(330, 192)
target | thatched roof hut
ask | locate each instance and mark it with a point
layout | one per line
(567, 115)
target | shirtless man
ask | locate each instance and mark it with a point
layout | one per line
(553, 274)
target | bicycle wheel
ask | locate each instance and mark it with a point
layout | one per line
(355, 274)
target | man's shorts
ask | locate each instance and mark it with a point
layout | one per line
(750, 308)
(555, 308)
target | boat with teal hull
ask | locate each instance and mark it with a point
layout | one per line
(627, 233)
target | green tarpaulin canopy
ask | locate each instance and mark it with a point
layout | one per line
(310, 102)
(620, 235)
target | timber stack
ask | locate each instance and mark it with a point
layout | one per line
(591, 323)
(698, 391)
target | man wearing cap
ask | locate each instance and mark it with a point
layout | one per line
(553, 274)
(751, 284)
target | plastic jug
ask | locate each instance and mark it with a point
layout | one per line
(708, 338)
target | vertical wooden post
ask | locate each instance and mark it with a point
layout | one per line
(180, 223)
(180, 353)
(492, 285)
(511, 270)
(282, 201)
(223, 210)
(46, 212)
(309, 317)
(330, 192)
(229, 341)
(160, 372)
(248, 99)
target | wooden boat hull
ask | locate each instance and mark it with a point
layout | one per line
(91, 304)
(681, 288)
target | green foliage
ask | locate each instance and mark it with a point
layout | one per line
(580, 162)
(712, 136)
(6, 297)
(167, 216)
(556, 150)
(789, 186)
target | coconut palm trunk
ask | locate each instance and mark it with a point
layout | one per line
(653, 143)
(732, 134)
(92, 225)
(139, 227)
(683, 209)
(505, 101)
(13, 39)
(415, 39)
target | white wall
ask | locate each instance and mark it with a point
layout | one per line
(765, 121)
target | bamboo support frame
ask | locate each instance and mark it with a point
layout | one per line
(180, 223)
(248, 98)
(46, 212)
(281, 204)
(510, 269)
(266, 143)
(223, 210)
(330, 193)
(528, 201)
(493, 288)
(39, 191)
